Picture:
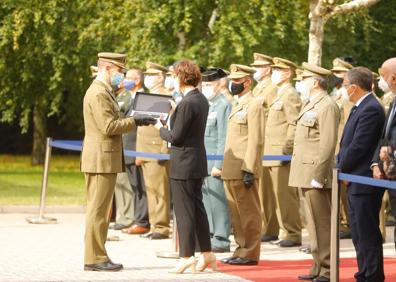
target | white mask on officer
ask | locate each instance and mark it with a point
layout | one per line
(276, 77)
(149, 81)
(169, 82)
(344, 93)
(208, 91)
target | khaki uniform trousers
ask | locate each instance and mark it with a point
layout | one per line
(269, 221)
(283, 212)
(156, 179)
(344, 220)
(100, 191)
(244, 206)
(124, 198)
(318, 213)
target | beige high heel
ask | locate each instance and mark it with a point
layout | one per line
(206, 259)
(184, 264)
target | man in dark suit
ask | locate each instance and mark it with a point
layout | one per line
(358, 144)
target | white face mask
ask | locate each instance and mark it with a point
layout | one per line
(276, 77)
(208, 91)
(344, 93)
(169, 82)
(301, 87)
(149, 81)
(177, 85)
(383, 85)
(257, 75)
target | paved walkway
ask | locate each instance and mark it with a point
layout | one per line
(55, 253)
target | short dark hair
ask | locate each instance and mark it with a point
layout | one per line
(188, 73)
(323, 82)
(362, 77)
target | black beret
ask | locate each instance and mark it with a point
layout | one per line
(213, 74)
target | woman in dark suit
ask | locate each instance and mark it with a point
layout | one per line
(189, 167)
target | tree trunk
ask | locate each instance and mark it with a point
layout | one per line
(39, 135)
(316, 35)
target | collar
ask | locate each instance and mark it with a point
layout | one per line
(312, 98)
(241, 99)
(361, 99)
(101, 79)
(188, 90)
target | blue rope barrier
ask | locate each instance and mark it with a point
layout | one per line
(76, 145)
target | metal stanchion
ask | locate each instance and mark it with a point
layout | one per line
(41, 219)
(335, 228)
(174, 253)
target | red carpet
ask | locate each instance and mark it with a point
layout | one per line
(288, 270)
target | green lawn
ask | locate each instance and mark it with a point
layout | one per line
(20, 182)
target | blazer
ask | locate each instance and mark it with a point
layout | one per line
(188, 123)
(102, 147)
(359, 141)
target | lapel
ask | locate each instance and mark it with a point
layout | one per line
(108, 90)
(311, 104)
(281, 91)
(237, 107)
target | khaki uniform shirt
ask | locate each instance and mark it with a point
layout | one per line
(265, 92)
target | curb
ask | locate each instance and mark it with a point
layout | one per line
(35, 209)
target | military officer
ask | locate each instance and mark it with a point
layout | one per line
(312, 163)
(242, 167)
(155, 172)
(279, 138)
(214, 197)
(102, 155)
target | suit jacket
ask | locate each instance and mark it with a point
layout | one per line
(359, 141)
(314, 143)
(281, 123)
(102, 147)
(245, 139)
(216, 129)
(188, 122)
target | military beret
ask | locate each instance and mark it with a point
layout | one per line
(115, 58)
(239, 71)
(213, 74)
(283, 64)
(314, 70)
(340, 65)
(261, 60)
(94, 71)
(153, 68)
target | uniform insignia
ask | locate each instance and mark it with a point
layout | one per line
(310, 115)
(212, 115)
(241, 115)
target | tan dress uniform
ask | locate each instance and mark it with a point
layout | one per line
(155, 172)
(243, 151)
(313, 159)
(102, 158)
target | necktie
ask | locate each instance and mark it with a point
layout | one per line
(353, 110)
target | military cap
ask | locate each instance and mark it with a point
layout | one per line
(283, 64)
(115, 58)
(239, 71)
(314, 70)
(153, 68)
(261, 60)
(340, 65)
(213, 74)
(94, 71)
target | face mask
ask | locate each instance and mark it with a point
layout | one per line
(257, 75)
(383, 85)
(169, 83)
(236, 88)
(177, 85)
(208, 91)
(149, 81)
(276, 77)
(344, 93)
(116, 79)
(129, 84)
(302, 87)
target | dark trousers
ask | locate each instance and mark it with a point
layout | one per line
(366, 236)
(192, 221)
(135, 176)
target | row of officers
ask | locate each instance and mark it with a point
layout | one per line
(288, 112)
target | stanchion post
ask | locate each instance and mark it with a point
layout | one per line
(41, 219)
(174, 253)
(335, 228)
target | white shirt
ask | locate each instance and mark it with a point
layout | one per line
(358, 102)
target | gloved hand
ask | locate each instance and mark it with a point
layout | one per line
(141, 120)
(248, 179)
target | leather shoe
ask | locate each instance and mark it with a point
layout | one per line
(309, 277)
(136, 229)
(321, 279)
(103, 266)
(268, 238)
(242, 261)
(158, 236)
(117, 226)
(220, 250)
(227, 260)
(289, 244)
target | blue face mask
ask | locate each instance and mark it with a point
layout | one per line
(116, 79)
(129, 84)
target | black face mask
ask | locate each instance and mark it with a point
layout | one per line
(237, 88)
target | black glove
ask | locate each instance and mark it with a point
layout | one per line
(141, 120)
(248, 179)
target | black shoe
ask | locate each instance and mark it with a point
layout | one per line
(308, 277)
(345, 235)
(289, 244)
(268, 238)
(147, 235)
(158, 236)
(242, 261)
(117, 226)
(321, 279)
(103, 266)
(227, 260)
(220, 250)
